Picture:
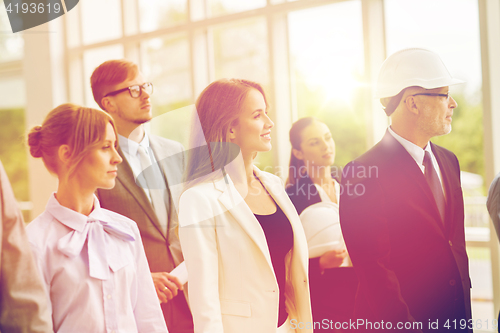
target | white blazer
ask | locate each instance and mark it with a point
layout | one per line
(232, 286)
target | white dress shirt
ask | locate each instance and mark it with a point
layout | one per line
(95, 271)
(418, 154)
(130, 150)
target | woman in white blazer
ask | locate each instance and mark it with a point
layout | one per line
(242, 240)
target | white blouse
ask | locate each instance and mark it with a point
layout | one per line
(324, 196)
(95, 271)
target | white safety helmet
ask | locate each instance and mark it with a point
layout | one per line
(412, 67)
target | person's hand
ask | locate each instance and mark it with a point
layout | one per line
(166, 286)
(332, 259)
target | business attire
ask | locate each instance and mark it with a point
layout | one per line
(234, 284)
(160, 241)
(332, 290)
(23, 302)
(493, 205)
(95, 271)
(411, 262)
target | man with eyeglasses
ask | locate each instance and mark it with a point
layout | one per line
(142, 191)
(404, 225)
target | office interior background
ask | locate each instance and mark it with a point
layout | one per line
(314, 58)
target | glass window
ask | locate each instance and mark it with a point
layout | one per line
(12, 134)
(11, 44)
(165, 62)
(101, 20)
(241, 51)
(92, 59)
(157, 14)
(223, 7)
(327, 68)
(13, 92)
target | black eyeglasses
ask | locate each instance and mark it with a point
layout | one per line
(447, 95)
(135, 91)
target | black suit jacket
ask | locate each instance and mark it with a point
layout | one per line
(411, 266)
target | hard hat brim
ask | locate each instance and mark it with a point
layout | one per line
(426, 84)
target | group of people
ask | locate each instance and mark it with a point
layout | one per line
(261, 256)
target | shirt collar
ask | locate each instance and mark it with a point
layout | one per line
(130, 147)
(415, 151)
(73, 219)
(96, 230)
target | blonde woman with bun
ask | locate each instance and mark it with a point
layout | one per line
(91, 259)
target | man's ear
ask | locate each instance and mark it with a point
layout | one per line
(64, 154)
(108, 104)
(298, 154)
(411, 105)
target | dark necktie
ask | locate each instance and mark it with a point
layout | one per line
(433, 180)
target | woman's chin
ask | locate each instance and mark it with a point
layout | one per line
(108, 185)
(268, 148)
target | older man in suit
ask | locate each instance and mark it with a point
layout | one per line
(402, 211)
(23, 301)
(120, 89)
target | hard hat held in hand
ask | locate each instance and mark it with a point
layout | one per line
(412, 67)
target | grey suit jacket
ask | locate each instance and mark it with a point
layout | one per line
(129, 199)
(23, 301)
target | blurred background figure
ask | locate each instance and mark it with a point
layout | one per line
(23, 302)
(245, 248)
(493, 205)
(315, 192)
(92, 259)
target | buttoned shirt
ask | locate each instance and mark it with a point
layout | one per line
(130, 150)
(418, 154)
(95, 271)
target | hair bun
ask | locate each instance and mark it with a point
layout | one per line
(34, 141)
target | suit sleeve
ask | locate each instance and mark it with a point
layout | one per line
(198, 238)
(364, 226)
(23, 303)
(493, 203)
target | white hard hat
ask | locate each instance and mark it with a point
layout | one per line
(322, 228)
(412, 67)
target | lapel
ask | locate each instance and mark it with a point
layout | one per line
(407, 174)
(236, 206)
(126, 178)
(277, 191)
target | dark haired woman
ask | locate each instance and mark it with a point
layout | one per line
(91, 259)
(315, 194)
(244, 247)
